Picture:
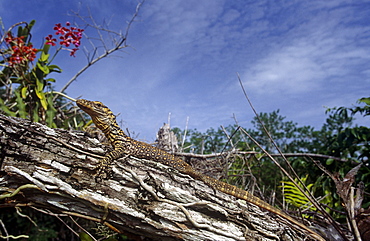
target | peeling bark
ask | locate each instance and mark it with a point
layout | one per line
(142, 197)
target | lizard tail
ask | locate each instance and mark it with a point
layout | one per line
(247, 196)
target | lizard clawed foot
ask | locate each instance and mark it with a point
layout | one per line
(103, 171)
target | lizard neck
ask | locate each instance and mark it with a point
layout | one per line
(111, 130)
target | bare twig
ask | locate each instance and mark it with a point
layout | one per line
(7, 237)
(305, 192)
(312, 155)
(78, 225)
(10, 29)
(118, 45)
(228, 137)
(185, 132)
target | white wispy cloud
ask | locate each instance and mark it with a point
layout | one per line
(296, 56)
(306, 63)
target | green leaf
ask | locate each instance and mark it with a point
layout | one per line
(111, 239)
(294, 195)
(50, 113)
(43, 68)
(309, 186)
(5, 108)
(329, 161)
(20, 31)
(21, 106)
(35, 116)
(90, 122)
(55, 68)
(44, 57)
(364, 136)
(24, 92)
(85, 237)
(30, 25)
(26, 30)
(42, 98)
(50, 80)
(46, 48)
(365, 100)
(39, 85)
(40, 94)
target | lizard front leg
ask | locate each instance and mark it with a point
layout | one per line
(105, 165)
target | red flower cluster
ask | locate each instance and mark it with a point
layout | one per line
(69, 35)
(20, 53)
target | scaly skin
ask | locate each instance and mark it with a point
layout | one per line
(123, 145)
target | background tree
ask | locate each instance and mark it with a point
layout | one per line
(338, 147)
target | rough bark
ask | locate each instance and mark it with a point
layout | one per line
(53, 170)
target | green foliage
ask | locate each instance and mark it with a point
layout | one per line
(198, 142)
(29, 99)
(212, 140)
(25, 86)
(17, 225)
(351, 143)
(26, 91)
(85, 237)
(347, 141)
(337, 138)
(363, 110)
(287, 135)
(104, 232)
(294, 196)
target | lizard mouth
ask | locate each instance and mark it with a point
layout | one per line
(82, 104)
(93, 108)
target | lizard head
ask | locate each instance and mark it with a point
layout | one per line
(100, 114)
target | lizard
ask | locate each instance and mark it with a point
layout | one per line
(124, 145)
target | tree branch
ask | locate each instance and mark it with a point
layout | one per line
(226, 153)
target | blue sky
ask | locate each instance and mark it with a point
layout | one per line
(297, 56)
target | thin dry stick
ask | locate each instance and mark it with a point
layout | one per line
(10, 29)
(169, 119)
(7, 236)
(349, 205)
(306, 193)
(242, 136)
(351, 213)
(67, 213)
(78, 225)
(71, 229)
(219, 154)
(185, 132)
(229, 137)
(275, 145)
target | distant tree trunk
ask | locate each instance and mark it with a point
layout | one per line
(53, 169)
